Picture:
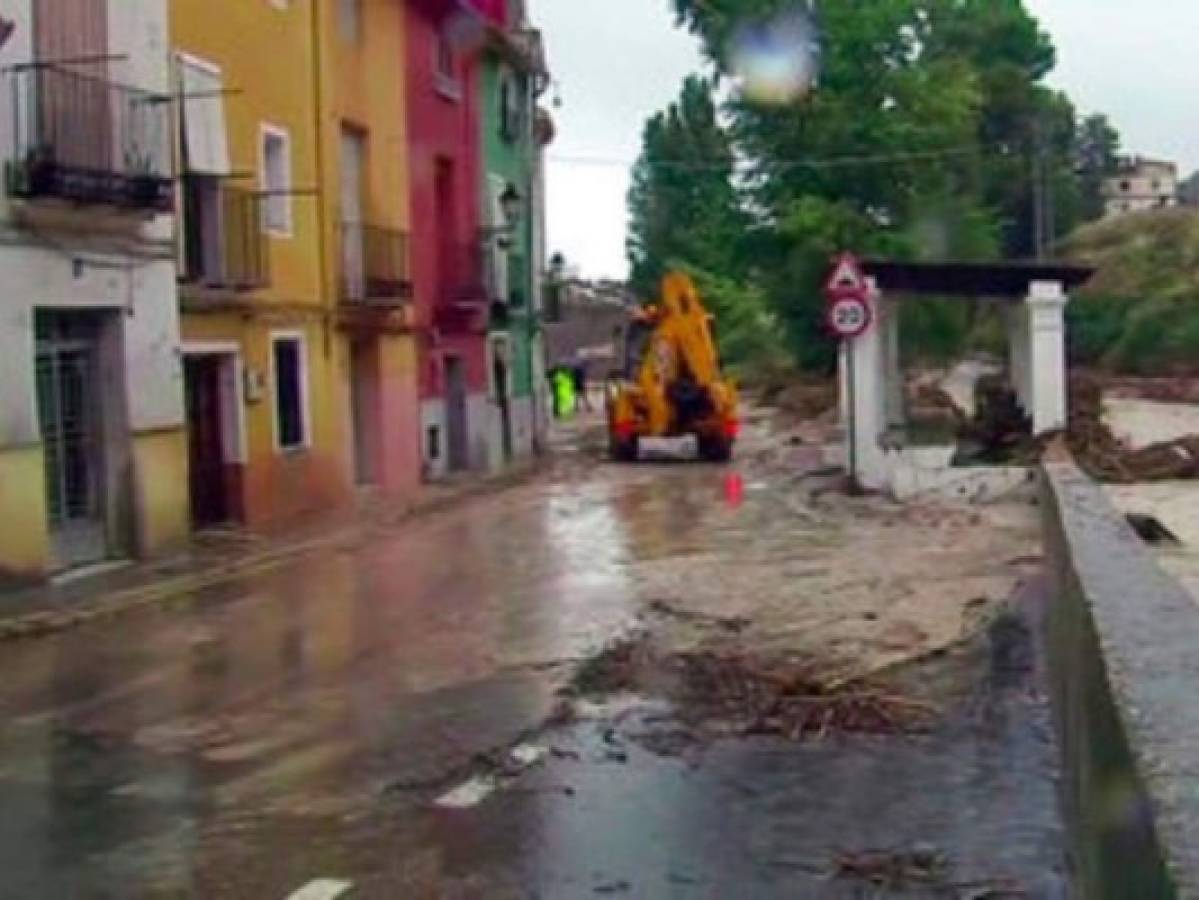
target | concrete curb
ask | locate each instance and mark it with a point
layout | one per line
(163, 591)
(1123, 648)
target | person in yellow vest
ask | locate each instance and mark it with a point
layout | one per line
(564, 393)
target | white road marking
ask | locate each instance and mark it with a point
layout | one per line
(477, 789)
(322, 889)
(469, 793)
(528, 755)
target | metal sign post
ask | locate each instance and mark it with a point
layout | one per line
(849, 316)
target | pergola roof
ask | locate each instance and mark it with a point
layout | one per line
(1005, 280)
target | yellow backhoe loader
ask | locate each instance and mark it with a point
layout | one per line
(671, 383)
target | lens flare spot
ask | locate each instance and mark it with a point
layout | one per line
(776, 60)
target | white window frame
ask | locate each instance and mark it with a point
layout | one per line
(267, 130)
(305, 444)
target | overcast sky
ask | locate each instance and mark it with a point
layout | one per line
(618, 61)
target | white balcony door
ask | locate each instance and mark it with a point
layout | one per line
(353, 169)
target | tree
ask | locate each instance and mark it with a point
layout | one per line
(928, 132)
(682, 204)
(1098, 148)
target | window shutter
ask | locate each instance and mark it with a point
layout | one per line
(205, 135)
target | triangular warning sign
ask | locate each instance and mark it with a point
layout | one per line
(847, 276)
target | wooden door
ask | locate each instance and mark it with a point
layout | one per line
(205, 445)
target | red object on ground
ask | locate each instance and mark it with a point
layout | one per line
(734, 489)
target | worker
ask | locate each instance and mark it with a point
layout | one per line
(578, 373)
(564, 392)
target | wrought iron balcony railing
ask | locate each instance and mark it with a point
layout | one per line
(86, 140)
(224, 244)
(374, 265)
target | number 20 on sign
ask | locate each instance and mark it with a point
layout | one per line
(848, 316)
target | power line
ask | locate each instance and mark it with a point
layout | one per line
(810, 163)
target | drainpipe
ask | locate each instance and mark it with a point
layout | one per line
(322, 237)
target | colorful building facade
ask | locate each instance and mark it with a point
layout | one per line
(451, 297)
(367, 252)
(265, 405)
(513, 74)
(92, 443)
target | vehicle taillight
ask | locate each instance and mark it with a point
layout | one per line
(732, 429)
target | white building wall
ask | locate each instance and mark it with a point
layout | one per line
(90, 257)
(1147, 186)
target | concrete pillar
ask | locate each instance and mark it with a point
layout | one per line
(896, 414)
(868, 365)
(1046, 347)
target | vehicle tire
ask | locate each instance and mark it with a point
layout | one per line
(718, 450)
(623, 451)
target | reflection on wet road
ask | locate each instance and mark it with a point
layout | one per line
(295, 725)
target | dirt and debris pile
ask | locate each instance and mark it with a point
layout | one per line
(921, 868)
(1105, 457)
(733, 692)
(1002, 433)
(792, 701)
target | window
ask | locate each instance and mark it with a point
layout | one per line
(511, 119)
(276, 181)
(289, 367)
(351, 19)
(1125, 186)
(445, 68)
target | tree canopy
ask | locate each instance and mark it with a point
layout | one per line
(926, 131)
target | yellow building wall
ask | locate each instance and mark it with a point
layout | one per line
(365, 85)
(161, 501)
(267, 66)
(24, 538)
(267, 56)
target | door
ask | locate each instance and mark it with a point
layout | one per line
(74, 112)
(205, 440)
(353, 169)
(70, 415)
(456, 425)
(363, 395)
(503, 396)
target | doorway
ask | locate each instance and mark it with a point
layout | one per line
(205, 441)
(363, 409)
(353, 237)
(456, 424)
(503, 394)
(216, 452)
(70, 412)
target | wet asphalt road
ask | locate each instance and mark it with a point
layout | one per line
(296, 725)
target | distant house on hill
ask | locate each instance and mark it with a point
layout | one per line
(1140, 184)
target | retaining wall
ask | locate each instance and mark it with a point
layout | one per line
(1123, 648)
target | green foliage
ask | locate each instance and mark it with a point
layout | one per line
(1140, 311)
(925, 135)
(682, 203)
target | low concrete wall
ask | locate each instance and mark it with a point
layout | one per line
(1123, 647)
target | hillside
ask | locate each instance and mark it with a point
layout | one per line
(1140, 313)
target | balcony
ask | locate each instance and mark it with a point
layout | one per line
(374, 266)
(466, 293)
(224, 246)
(88, 141)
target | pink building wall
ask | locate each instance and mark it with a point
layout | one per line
(444, 128)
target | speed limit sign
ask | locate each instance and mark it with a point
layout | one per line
(848, 316)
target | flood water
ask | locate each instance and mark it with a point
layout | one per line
(299, 724)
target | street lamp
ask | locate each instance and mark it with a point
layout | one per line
(510, 206)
